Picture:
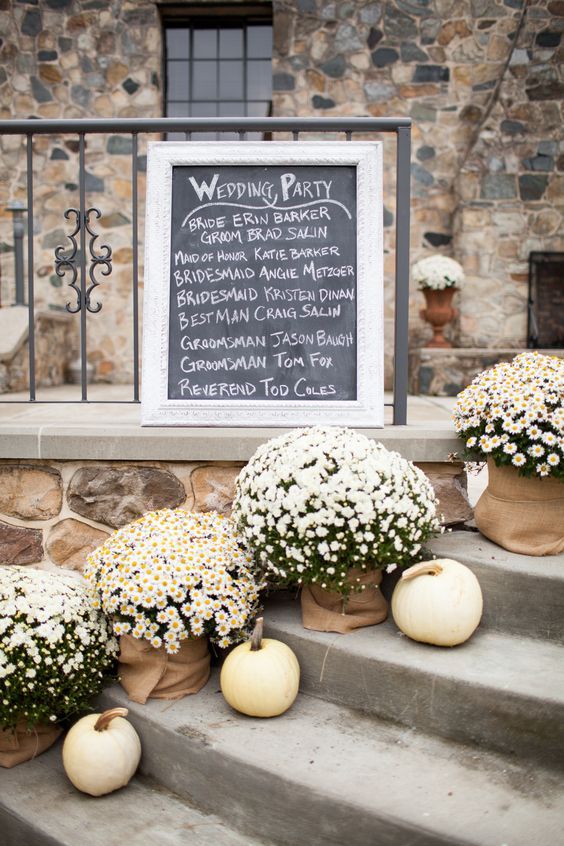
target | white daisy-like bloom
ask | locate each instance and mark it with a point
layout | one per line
(518, 459)
(536, 450)
(203, 570)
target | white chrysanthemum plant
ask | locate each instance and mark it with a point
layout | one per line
(438, 272)
(514, 414)
(56, 649)
(173, 575)
(319, 502)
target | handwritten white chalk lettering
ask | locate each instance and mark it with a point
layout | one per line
(263, 282)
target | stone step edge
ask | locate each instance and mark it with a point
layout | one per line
(144, 806)
(282, 768)
(496, 690)
(473, 547)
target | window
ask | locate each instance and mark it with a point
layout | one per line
(218, 68)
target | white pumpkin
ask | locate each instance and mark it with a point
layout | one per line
(260, 678)
(101, 752)
(438, 602)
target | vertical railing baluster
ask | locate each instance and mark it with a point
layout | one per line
(135, 235)
(30, 269)
(83, 310)
(295, 135)
(401, 337)
(348, 135)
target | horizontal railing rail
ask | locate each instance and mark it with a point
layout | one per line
(400, 126)
(218, 124)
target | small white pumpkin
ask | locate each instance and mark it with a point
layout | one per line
(438, 602)
(101, 752)
(261, 677)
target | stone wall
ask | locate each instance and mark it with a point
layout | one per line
(71, 59)
(510, 187)
(54, 513)
(481, 79)
(56, 342)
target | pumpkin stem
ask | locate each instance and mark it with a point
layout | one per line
(105, 719)
(431, 568)
(256, 637)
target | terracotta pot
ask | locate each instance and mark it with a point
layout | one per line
(438, 313)
(328, 611)
(521, 514)
(22, 744)
(149, 673)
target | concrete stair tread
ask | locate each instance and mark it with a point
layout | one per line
(495, 690)
(473, 548)
(488, 659)
(40, 807)
(339, 776)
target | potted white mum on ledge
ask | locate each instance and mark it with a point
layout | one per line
(328, 509)
(438, 277)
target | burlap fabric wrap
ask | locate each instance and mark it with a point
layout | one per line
(22, 744)
(322, 610)
(521, 514)
(149, 673)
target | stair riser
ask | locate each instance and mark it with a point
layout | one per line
(501, 720)
(15, 831)
(522, 605)
(516, 603)
(261, 803)
(522, 595)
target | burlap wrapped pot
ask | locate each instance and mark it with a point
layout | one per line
(22, 744)
(521, 514)
(149, 673)
(328, 611)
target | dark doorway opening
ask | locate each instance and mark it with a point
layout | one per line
(546, 301)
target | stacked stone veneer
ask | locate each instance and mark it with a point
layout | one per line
(54, 513)
(481, 79)
(56, 343)
(70, 59)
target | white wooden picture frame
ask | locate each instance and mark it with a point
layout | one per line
(367, 409)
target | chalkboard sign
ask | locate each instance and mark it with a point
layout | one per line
(263, 285)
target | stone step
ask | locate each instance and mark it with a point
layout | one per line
(523, 595)
(40, 807)
(496, 690)
(325, 775)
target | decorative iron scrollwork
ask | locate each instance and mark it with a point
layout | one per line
(65, 262)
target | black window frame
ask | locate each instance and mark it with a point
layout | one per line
(219, 17)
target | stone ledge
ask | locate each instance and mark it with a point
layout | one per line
(445, 372)
(108, 442)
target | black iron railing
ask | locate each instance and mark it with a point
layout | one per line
(83, 260)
